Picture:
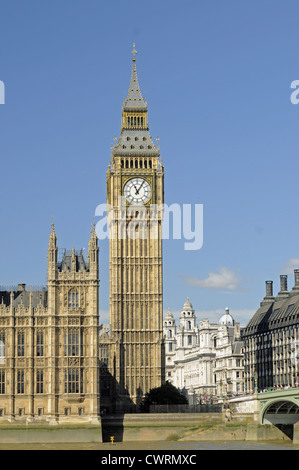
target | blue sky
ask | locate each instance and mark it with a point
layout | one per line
(217, 78)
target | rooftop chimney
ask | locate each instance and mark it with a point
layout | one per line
(283, 282)
(269, 298)
(295, 289)
(283, 293)
(269, 288)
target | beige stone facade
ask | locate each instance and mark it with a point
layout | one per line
(49, 342)
(56, 362)
(135, 182)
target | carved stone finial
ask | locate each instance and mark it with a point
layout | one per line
(134, 52)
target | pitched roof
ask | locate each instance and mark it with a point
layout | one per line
(135, 142)
(66, 262)
(277, 314)
(24, 296)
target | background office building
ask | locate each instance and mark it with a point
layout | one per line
(271, 339)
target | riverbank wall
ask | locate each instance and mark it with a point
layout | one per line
(145, 427)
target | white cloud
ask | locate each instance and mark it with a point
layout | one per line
(240, 315)
(104, 316)
(224, 279)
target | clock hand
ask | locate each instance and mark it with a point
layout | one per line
(140, 187)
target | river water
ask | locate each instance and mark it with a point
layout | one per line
(156, 445)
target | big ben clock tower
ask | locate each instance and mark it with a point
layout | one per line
(134, 187)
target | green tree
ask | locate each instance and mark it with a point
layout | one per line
(167, 394)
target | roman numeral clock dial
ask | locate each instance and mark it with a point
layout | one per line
(137, 191)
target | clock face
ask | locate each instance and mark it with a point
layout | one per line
(137, 191)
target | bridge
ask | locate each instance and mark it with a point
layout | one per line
(279, 406)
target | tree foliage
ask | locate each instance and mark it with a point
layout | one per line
(167, 394)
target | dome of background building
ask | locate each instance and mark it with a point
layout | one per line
(168, 318)
(227, 319)
(168, 314)
(187, 305)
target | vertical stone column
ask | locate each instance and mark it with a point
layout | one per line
(52, 310)
(30, 370)
(296, 433)
(10, 361)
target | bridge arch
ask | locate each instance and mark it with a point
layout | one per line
(280, 411)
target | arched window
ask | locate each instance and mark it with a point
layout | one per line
(73, 342)
(73, 299)
(169, 334)
(21, 341)
(188, 325)
(73, 381)
(39, 343)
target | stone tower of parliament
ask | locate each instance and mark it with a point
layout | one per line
(56, 363)
(135, 184)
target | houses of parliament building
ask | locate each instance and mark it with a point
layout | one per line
(55, 362)
(58, 364)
